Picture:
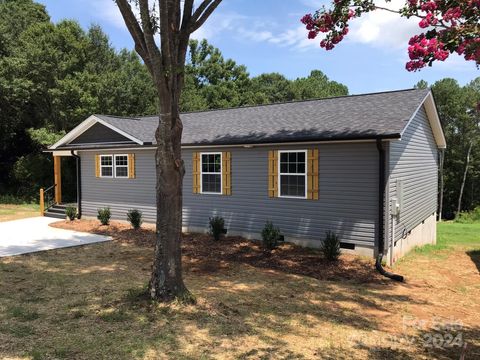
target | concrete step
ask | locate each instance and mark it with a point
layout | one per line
(60, 206)
(56, 210)
(53, 215)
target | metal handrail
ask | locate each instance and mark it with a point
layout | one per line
(49, 196)
(50, 188)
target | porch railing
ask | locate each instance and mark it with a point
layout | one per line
(47, 198)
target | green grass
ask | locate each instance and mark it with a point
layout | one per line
(22, 313)
(451, 235)
(13, 211)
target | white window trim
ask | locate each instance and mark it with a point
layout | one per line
(280, 152)
(107, 166)
(121, 166)
(211, 173)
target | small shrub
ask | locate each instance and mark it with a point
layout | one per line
(217, 227)
(135, 217)
(469, 217)
(271, 236)
(104, 216)
(331, 246)
(71, 213)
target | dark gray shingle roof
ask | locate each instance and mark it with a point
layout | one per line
(348, 117)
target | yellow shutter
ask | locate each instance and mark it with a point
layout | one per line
(97, 166)
(273, 173)
(312, 174)
(131, 166)
(196, 172)
(227, 173)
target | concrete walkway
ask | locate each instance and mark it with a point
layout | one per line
(33, 234)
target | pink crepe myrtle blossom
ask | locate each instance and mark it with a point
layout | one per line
(449, 26)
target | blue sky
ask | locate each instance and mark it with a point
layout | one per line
(266, 36)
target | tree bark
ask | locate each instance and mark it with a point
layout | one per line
(467, 164)
(166, 65)
(166, 282)
(440, 201)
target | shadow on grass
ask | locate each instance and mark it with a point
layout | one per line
(475, 256)
(246, 307)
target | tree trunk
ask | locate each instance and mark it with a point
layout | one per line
(440, 201)
(166, 65)
(467, 164)
(166, 282)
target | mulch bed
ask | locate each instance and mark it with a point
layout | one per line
(204, 255)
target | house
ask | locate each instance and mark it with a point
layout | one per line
(362, 166)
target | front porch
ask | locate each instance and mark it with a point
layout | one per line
(52, 201)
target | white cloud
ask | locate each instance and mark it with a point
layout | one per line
(218, 24)
(384, 29)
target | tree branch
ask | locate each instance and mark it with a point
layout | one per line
(187, 15)
(165, 36)
(202, 16)
(440, 25)
(133, 27)
(148, 35)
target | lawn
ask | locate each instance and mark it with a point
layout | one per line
(13, 212)
(87, 303)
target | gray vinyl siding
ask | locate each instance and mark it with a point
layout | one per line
(414, 161)
(99, 133)
(119, 194)
(347, 205)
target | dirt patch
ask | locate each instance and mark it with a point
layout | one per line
(204, 255)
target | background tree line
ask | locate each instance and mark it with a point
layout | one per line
(54, 75)
(459, 110)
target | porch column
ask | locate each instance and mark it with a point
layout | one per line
(57, 175)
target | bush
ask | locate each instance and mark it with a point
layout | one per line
(71, 213)
(217, 227)
(271, 236)
(12, 200)
(104, 216)
(135, 217)
(469, 217)
(331, 246)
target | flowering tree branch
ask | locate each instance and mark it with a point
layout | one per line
(450, 26)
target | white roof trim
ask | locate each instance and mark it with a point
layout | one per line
(256, 145)
(85, 125)
(433, 118)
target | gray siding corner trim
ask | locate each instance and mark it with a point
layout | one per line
(413, 165)
(347, 205)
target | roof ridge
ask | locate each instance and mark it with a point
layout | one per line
(122, 117)
(142, 117)
(289, 102)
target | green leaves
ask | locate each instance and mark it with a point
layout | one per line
(212, 82)
(456, 107)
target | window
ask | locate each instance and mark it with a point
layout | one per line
(292, 174)
(211, 173)
(106, 166)
(121, 166)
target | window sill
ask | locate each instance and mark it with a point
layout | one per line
(292, 197)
